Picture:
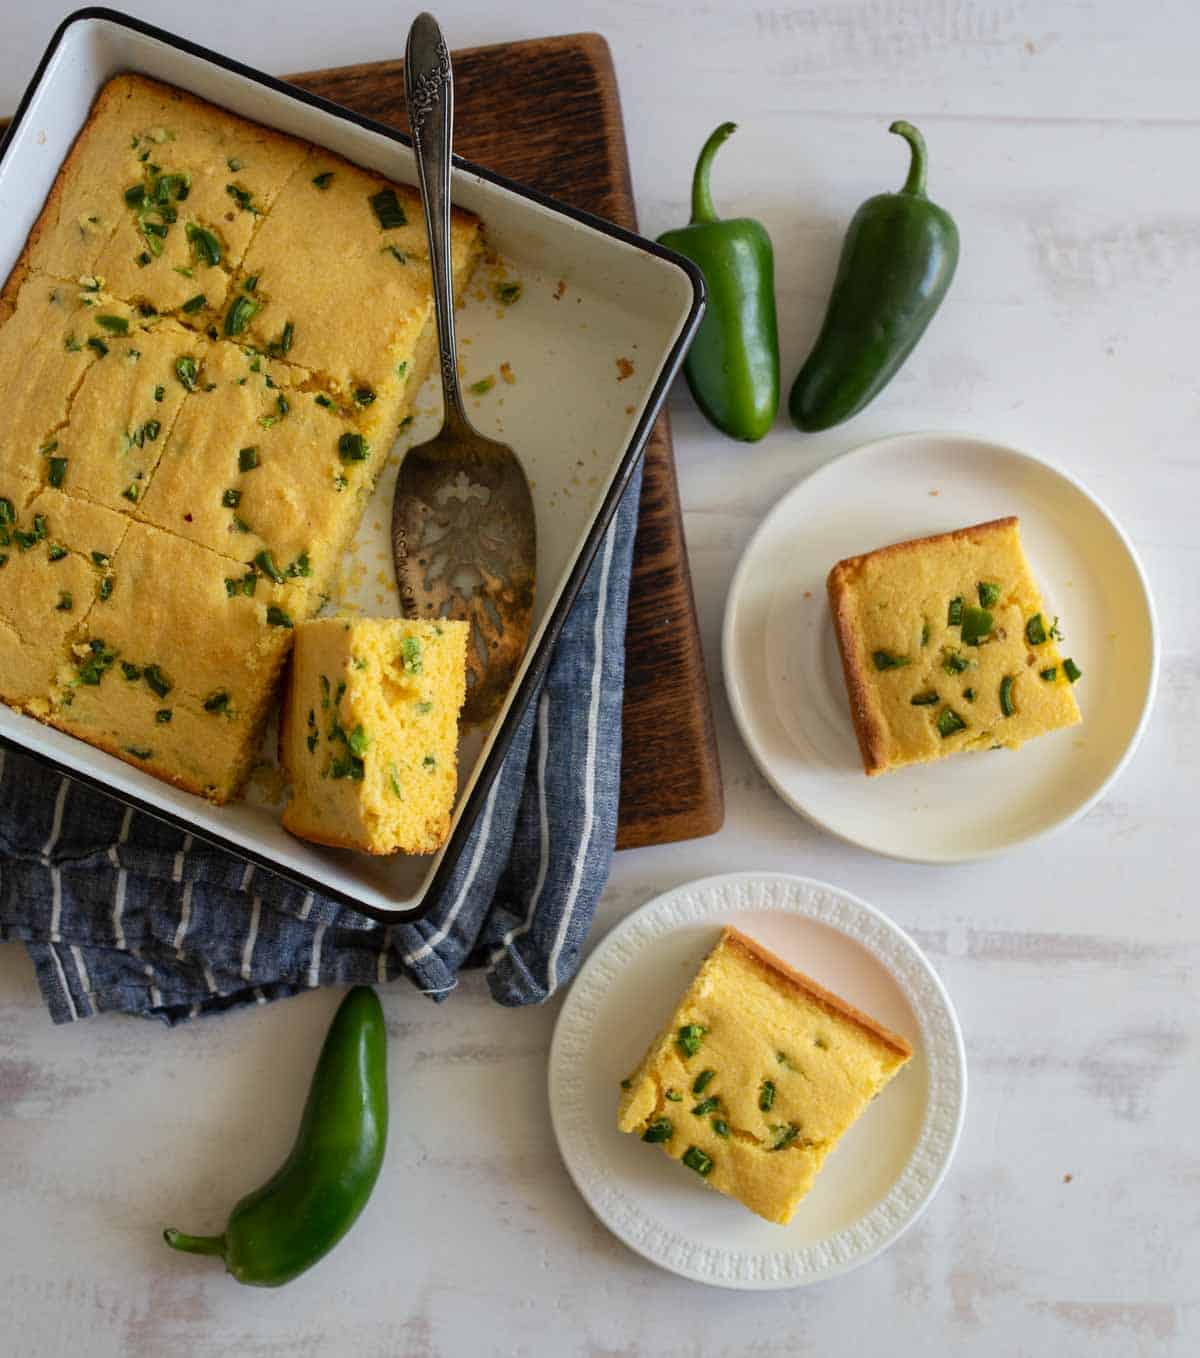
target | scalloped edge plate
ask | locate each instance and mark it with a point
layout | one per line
(885, 1171)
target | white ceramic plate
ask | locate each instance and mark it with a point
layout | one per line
(784, 676)
(885, 1171)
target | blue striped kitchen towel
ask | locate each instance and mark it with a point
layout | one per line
(122, 912)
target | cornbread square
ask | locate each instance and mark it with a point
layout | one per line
(370, 732)
(186, 167)
(262, 464)
(122, 413)
(324, 260)
(756, 1077)
(55, 564)
(945, 647)
(53, 335)
(175, 670)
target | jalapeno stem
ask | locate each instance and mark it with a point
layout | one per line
(915, 183)
(194, 1244)
(702, 203)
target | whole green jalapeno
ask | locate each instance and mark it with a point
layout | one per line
(283, 1228)
(732, 367)
(897, 262)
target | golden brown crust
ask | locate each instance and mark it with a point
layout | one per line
(763, 957)
(868, 727)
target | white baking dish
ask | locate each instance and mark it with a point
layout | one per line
(592, 294)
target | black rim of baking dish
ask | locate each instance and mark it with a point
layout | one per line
(533, 676)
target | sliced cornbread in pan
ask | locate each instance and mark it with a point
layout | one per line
(175, 670)
(370, 732)
(214, 331)
(756, 1076)
(945, 647)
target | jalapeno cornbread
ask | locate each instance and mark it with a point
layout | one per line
(756, 1077)
(208, 346)
(946, 646)
(370, 732)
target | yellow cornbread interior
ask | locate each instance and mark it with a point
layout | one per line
(920, 688)
(756, 1076)
(370, 732)
(209, 345)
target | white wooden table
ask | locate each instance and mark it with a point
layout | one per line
(1065, 137)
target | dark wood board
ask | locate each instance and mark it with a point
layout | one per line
(547, 112)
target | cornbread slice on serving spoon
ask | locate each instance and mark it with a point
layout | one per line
(756, 1077)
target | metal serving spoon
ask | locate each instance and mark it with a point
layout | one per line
(463, 532)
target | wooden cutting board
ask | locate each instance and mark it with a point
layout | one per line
(547, 112)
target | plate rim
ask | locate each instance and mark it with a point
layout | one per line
(886, 942)
(737, 700)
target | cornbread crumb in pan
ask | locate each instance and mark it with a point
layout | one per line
(945, 646)
(756, 1076)
(209, 344)
(370, 732)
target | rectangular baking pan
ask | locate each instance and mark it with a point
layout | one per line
(602, 325)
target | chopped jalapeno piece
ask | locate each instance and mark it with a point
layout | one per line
(410, 655)
(159, 393)
(251, 283)
(193, 304)
(241, 198)
(185, 371)
(115, 325)
(247, 459)
(394, 784)
(507, 293)
(324, 179)
(101, 559)
(363, 396)
(720, 1126)
(925, 633)
(784, 1136)
(7, 513)
(660, 1130)
(279, 347)
(106, 588)
(885, 660)
(1006, 695)
(302, 567)
(1035, 630)
(924, 699)
(976, 626)
(702, 1081)
(695, 1158)
(65, 602)
(156, 680)
(163, 716)
(954, 612)
(766, 1095)
(239, 525)
(231, 499)
(674, 1095)
(483, 386)
(265, 561)
(953, 663)
(1071, 670)
(277, 617)
(55, 552)
(708, 1105)
(359, 741)
(1049, 675)
(97, 665)
(989, 593)
(396, 253)
(217, 702)
(969, 694)
(352, 448)
(204, 243)
(429, 762)
(387, 209)
(131, 492)
(58, 471)
(98, 344)
(948, 722)
(131, 672)
(135, 195)
(239, 315)
(347, 766)
(138, 751)
(689, 1038)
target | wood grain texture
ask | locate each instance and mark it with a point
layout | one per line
(547, 112)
